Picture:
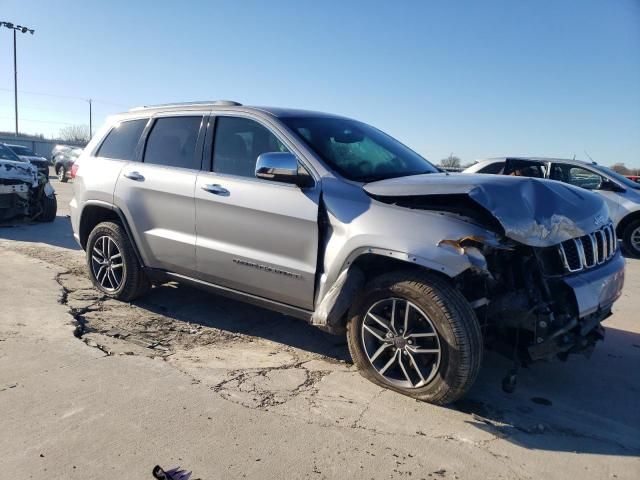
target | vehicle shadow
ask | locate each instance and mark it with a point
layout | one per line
(586, 405)
(583, 405)
(57, 234)
(191, 305)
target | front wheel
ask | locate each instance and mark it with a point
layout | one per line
(113, 266)
(49, 209)
(631, 238)
(416, 334)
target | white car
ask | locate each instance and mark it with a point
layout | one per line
(621, 194)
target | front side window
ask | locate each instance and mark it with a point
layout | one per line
(122, 140)
(238, 143)
(358, 151)
(578, 176)
(172, 142)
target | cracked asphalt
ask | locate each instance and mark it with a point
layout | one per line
(95, 388)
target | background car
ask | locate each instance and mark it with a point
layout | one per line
(64, 160)
(621, 194)
(25, 153)
(634, 178)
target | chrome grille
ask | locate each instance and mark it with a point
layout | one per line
(589, 250)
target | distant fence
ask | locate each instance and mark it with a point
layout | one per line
(41, 147)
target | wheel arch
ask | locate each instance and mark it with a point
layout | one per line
(95, 212)
(361, 266)
(622, 224)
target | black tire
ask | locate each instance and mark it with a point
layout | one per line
(49, 209)
(61, 172)
(134, 282)
(452, 318)
(630, 237)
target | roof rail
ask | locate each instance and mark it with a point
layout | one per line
(216, 103)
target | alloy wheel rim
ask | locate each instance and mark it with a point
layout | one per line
(107, 264)
(60, 173)
(635, 239)
(401, 343)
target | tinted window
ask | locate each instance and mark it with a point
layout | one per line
(172, 142)
(580, 177)
(494, 168)
(122, 140)
(20, 150)
(238, 144)
(358, 151)
(7, 154)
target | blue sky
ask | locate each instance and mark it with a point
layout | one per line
(476, 78)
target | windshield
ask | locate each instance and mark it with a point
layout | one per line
(358, 151)
(619, 178)
(7, 154)
(20, 150)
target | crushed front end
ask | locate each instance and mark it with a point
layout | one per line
(22, 189)
(538, 303)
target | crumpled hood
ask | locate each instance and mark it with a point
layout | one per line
(531, 211)
(12, 170)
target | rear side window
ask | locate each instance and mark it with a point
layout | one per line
(172, 142)
(493, 168)
(238, 144)
(122, 140)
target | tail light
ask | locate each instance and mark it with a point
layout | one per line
(74, 170)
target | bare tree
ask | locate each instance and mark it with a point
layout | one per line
(451, 161)
(621, 168)
(75, 133)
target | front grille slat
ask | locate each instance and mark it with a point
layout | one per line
(588, 251)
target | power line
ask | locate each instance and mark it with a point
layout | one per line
(66, 96)
(40, 121)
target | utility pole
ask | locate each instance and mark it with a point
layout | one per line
(90, 121)
(15, 80)
(15, 29)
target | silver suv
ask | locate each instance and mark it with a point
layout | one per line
(330, 220)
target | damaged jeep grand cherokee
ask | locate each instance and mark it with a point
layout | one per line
(330, 220)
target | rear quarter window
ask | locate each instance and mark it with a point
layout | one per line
(122, 140)
(493, 168)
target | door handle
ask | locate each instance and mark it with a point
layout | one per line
(134, 176)
(216, 189)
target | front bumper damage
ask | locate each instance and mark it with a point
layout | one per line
(22, 189)
(594, 292)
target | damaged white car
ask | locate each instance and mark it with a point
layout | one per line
(25, 193)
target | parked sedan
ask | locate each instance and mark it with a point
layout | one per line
(25, 153)
(621, 194)
(64, 160)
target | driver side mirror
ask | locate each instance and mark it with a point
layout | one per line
(278, 167)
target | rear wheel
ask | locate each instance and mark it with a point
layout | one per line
(61, 172)
(113, 266)
(416, 334)
(631, 238)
